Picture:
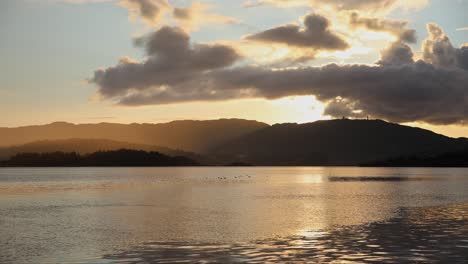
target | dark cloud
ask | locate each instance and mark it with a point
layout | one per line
(396, 54)
(341, 107)
(171, 61)
(182, 13)
(408, 35)
(315, 35)
(397, 89)
(462, 57)
(401, 93)
(398, 28)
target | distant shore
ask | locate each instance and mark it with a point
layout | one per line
(118, 158)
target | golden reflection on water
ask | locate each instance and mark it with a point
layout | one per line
(258, 214)
(436, 237)
(312, 178)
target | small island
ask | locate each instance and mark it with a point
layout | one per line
(449, 159)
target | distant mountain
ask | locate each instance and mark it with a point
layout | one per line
(86, 146)
(116, 158)
(194, 136)
(333, 142)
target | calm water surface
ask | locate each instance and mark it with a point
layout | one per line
(231, 215)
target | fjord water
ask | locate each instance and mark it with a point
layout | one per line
(239, 214)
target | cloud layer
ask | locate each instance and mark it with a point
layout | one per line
(397, 88)
(401, 93)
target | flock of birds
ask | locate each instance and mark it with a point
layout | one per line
(235, 177)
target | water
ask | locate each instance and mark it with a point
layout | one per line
(233, 215)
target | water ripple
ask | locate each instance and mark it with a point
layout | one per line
(424, 235)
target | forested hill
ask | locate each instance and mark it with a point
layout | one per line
(335, 142)
(121, 158)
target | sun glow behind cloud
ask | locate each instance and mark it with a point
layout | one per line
(301, 109)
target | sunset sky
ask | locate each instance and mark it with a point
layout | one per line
(276, 61)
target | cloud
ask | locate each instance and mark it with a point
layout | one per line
(364, 6)
(397, 28)
(374, 5)
(198, 14)
(438, 49)
(151, 11)
(462, 29)
(396, 89)
(397, 53)
(315, 35)
(285, 3)
(171, 62)
(462, 57)
(342, 107)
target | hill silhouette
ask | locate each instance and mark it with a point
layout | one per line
(241, 142)
(188, 135)
(123, 157)
(334, 142)
(86, 146)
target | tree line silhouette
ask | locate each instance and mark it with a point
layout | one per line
(117, 158)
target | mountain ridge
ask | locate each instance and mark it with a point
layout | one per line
(238, 141)
(189, 135)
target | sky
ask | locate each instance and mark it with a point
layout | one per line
(276, 61)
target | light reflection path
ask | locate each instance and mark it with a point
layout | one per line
(423, 235)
